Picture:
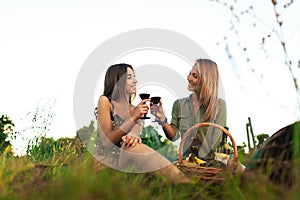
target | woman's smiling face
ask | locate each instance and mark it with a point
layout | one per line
(194, 80)
(130, 82)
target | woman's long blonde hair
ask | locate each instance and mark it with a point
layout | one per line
(209, 86)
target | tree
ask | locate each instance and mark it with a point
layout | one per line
(6, 127)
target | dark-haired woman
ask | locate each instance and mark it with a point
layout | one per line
(119, 126)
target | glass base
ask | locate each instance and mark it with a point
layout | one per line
(145, 117)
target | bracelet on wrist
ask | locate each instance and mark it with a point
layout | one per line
(163, 122)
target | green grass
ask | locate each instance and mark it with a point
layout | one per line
(67, 173)
(22, 179)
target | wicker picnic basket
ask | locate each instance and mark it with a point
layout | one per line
(207, 173)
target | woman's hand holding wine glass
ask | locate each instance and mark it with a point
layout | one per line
(155, 101)
(140, 110)
(157, 110)
(155, 105)
(145, 97)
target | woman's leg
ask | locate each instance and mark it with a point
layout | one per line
(141, 158)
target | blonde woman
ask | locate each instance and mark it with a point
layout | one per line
(202, 105)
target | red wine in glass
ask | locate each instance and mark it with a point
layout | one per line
(155, 101)
(145, 96)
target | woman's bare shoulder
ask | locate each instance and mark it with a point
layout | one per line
(103, 101)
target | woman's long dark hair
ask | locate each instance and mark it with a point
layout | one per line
(115, 82)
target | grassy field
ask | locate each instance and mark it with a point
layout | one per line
(71, 175)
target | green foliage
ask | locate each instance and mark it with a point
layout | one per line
(262, 138)
(296, 145)
(6, 128)
(153, 139)
(87, 134)
(48, 149)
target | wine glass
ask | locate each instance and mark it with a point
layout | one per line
(145, 96)
(155, 101)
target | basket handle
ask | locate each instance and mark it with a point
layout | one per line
(188, 132)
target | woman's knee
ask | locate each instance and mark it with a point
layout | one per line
(139, 148)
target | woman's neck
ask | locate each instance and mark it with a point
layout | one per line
(195, 103)
(195, 98)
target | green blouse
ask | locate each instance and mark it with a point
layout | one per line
(207, 138)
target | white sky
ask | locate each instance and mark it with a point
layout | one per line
(44, 44)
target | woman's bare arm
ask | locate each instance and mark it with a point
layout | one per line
(105, 123)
